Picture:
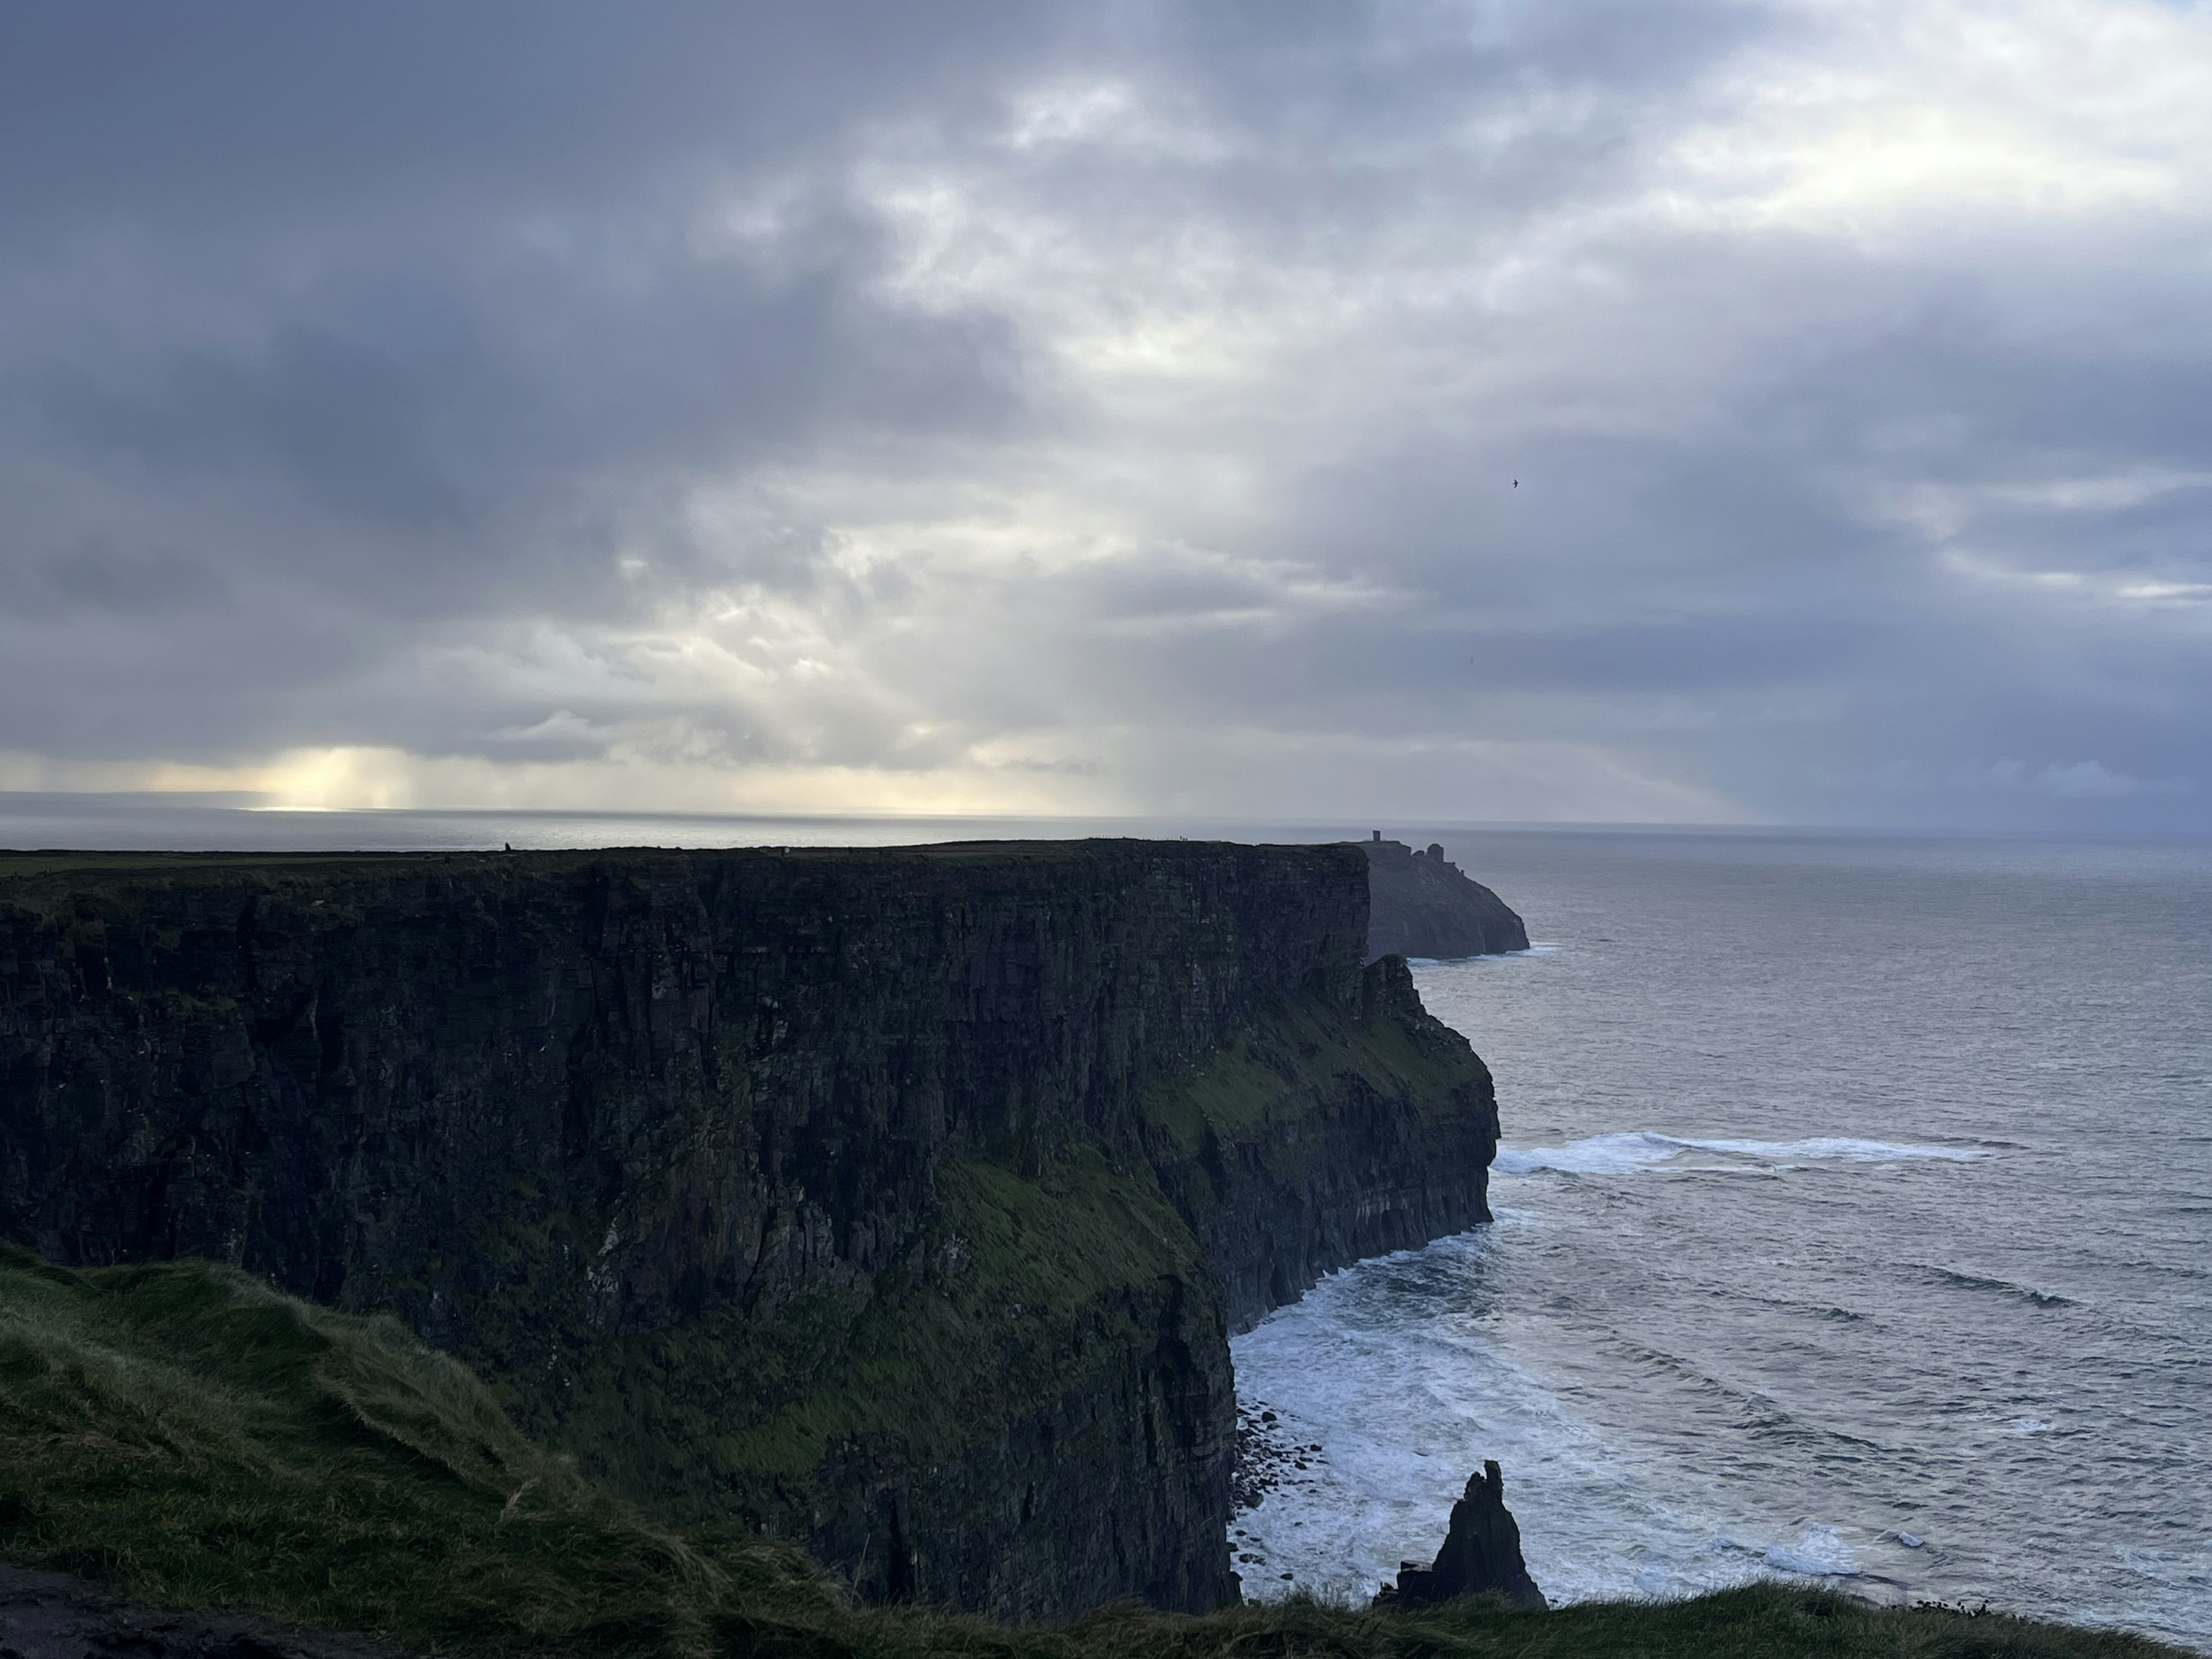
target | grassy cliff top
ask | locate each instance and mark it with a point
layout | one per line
(23, 865)
(40, 861)
(191, 1437)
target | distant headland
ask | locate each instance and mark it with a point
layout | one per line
(1421, 904)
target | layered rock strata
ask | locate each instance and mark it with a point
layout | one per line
(898, 1201)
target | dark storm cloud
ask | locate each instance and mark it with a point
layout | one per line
(1131, 396)
(243, 113)
(355, 429)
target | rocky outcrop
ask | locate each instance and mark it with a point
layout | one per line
(52, 1616)
(1423, 905)
(895, 1200)
(1481, 1555)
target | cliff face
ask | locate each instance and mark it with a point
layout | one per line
(884, 1199)
(1423, 905)
(1288, 1168)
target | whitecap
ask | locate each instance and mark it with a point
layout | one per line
(1612, 1154)
(1840, 1146)
(1627, 1151)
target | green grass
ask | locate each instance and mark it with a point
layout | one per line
(1755, 1622)
(1759, 1621)
(24, 865)
(28, 862)
(194, 1439)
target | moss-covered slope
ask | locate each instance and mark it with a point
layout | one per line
(189, 1435)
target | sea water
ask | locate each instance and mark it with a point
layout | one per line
(1854, 1225)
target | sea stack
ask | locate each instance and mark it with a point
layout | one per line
(1481, 1555)
(1421, 904)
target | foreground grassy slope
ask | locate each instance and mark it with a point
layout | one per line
(189, 1436)
(185, 1433)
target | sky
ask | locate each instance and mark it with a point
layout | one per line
(1633, 411)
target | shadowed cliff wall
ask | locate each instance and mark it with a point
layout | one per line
(892, 1199)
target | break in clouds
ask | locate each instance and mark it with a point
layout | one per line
(1115, 409)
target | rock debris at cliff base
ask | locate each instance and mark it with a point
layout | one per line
(1268, 1461)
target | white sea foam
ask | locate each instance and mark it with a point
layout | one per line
(1816, 1552)
(1626, 1152)
(1538, 950)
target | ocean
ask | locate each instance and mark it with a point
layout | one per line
(1854, 1212)
(1854, 1226)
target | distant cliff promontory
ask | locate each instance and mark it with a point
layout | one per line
(1420, 904)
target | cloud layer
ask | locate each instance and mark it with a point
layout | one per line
(1508, 410)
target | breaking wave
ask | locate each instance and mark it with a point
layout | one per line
(1626, 1152)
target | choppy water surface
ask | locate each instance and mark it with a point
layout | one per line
(1855, 1217)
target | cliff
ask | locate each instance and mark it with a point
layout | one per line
(1422, 905)
(896, 1202)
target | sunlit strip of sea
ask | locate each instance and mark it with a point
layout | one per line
(1854, 1225)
